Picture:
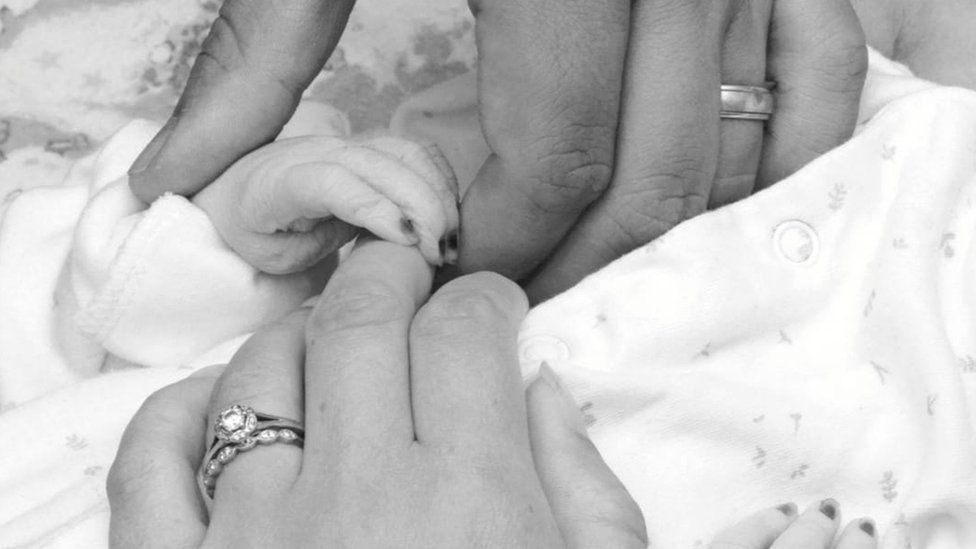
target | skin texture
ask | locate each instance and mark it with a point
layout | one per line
(593, 152)
(674, 155)
(782, 528)
(290, 203)
(420, 438)
(423, 437)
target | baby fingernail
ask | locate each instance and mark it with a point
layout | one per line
(449, 247)
(788, 509)
(407, 227)
(829, 508)
(867, 526)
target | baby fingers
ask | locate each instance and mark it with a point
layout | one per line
(282, 206)
(419, 190)
(859, 534)
(427, 161)
(759, 531)
(781, 528)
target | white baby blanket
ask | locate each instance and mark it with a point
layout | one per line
(814, 340)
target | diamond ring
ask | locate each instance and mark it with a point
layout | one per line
(238, 429)
(747, 102)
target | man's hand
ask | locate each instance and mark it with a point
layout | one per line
(259, 57)
(579, 187)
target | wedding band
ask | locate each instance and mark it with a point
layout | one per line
(238, 429)
(747, 102)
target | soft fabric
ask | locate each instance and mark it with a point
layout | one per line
(814, 340)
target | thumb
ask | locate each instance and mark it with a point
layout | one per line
(152, 486)
(257, 60)
(591, 506)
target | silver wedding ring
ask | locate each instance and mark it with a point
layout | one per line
(238, 429)
(747, 102)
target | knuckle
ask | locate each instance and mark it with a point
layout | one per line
(362, 304)
(658, 207)
(221, 50)
(569, 177)
(842, 57)
(485, 299)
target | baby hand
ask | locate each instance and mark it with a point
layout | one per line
(289, 204)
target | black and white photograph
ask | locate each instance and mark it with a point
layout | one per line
(584, 274)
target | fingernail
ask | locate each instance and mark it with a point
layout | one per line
(409, 230)
(449, 247)
(867, 526)
(212, 371)
(152, 149)
(788, 509)
(571, 410)
(829, 508)
(407, 226)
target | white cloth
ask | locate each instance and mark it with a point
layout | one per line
(814, 340)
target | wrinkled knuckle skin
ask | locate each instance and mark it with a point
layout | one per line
(220, 51)
(570, 176)
(843, 57)
(359, 305)
(655, 211)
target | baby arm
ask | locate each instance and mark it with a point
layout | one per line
(289, 204)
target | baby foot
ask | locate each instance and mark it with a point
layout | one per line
(289, 204)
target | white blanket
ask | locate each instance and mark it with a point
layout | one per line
(815, 340)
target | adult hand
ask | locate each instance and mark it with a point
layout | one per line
(554, 80)
(417, 431)
(247, 81)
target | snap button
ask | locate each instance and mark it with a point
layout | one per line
(544, 349)
(796, 242)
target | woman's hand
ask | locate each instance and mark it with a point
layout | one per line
(416, 431)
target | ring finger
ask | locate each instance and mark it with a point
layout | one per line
(266, 375)
(740, 141)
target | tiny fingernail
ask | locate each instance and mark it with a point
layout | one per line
(829, 508)
(788, 509)
(152, 149)
(867, 526)
(449, 248)
(407, 227)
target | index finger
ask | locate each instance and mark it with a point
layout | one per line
(257, 60)
(357, 376)
(549, 89)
